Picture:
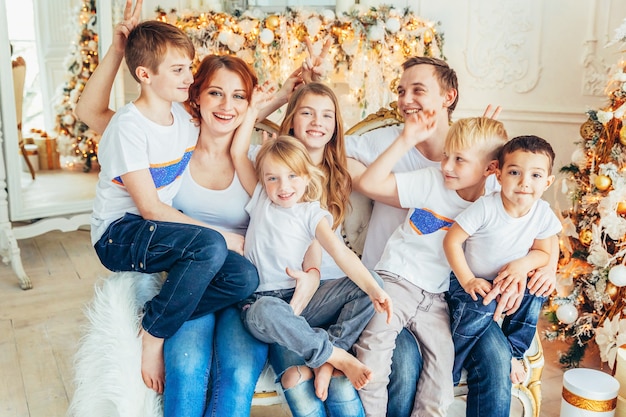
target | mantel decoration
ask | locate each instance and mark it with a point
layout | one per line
(590, 303)
(369, 44)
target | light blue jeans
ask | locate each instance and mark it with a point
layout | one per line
(213, 354)
(338, 303)
(343, 400)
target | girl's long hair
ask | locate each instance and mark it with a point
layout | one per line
(337, 184)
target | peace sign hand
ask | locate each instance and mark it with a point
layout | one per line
(313, 68)
(122, 29)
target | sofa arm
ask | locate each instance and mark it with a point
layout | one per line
(355, 223)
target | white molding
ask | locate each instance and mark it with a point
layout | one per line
(504, 44)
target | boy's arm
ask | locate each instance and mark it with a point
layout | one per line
(307, 280)
(93, 106)
(453, 248)
(140, 186)
(378, 181)
(351, 265)
(543, 280)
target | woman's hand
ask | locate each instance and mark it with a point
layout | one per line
(234, 242)
(313, 68)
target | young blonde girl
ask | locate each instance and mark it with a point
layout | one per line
(285, 219)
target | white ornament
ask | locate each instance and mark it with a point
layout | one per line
(567, 313)
(617, 275)
(266, 36)
(376, 33)
(393, 24)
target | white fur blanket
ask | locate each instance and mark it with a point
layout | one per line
(108, 361)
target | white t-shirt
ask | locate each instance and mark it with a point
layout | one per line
(132, 142)
(415, 250)
(279, 237)
(385, 218)
(496, 238)
(223, 209)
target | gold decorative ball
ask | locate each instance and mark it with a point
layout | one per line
(611, 290)
(621, 208)
(622, 135)
(272, 22)
(585, 236)
(602, 182)
(590, 129)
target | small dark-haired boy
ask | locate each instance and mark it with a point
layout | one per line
(505, 235)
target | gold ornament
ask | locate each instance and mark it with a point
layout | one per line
(585, 236)
(622, 135)
(590, 129)
(272, 22)
(621, 208)
(602, 182)
(611, 290)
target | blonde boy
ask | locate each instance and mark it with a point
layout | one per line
(503, 236)
(413, 265)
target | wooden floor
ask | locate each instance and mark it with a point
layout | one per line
(40, 329)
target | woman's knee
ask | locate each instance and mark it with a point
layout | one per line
(295, 375)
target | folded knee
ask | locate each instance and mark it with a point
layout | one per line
(295, 375)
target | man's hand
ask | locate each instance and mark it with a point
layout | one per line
(542, 281)
(491, 112)
(508, 301)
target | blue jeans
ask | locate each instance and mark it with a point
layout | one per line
(188, 356)
(203, 275)
(488, 375)
(215, 345)
(471, 318)
(337, 301)
(237, 363)
(406, 366)
(343, 400)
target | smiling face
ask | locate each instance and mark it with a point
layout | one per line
(314, 121)
(223, 103)
(419, 89)
(283, 186)
(465, 171)
(173, 77)
(524, 177)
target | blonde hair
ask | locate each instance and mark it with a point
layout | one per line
(337, 184)
(489, 135)
(291, 152)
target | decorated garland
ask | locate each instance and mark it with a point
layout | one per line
(368, 44)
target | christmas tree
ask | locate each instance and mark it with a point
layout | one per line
(591, 301)
(76, 142)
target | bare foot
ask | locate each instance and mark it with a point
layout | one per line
(357, 372)
(322, 380)
(152, 367)
(518, 371)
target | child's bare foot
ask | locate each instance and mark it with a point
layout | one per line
(518, 371)
(322, 380)
(357, 372)
(152, 367)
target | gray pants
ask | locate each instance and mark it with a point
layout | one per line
(426, 316)
(270, 318)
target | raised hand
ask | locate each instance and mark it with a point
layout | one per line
(122, 29)
(313, 68)
(419, 126)
(491, 112)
